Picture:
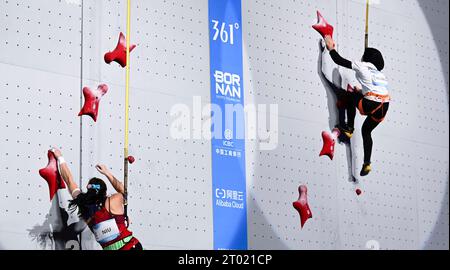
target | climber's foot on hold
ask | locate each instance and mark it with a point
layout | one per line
(366, 169)
(346, 133)
(343, 139)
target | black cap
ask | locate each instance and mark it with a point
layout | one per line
(375, 57)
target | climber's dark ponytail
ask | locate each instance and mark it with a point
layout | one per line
(91, 201)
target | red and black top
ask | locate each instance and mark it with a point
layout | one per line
(114, 230)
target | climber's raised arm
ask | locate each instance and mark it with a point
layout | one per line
(339, 60)
(66, 174)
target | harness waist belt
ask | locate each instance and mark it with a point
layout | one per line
(377, 97)
(119, 244)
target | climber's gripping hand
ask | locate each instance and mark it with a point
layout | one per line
(331, 45)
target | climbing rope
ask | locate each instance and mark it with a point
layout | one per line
(366, 40)
(127, 91)
(81, 100)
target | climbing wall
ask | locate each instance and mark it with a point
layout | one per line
(404, 204)
(51, 48)
(40, 70)
(170, 191)
(55, 46)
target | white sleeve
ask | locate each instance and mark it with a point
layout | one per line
(357, 66)
(362, 72)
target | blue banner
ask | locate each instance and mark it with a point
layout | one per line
(228, 142)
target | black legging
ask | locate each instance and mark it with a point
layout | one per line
(349, 102)
(345, 105)
(369, 124)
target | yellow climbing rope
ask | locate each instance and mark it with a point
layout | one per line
(366, 42)
(127, 92)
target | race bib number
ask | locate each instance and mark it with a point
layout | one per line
(106, 231)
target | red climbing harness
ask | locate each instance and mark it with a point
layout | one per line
(111, 231)
(382, 99)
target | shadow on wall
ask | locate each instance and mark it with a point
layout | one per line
(441, 229)
(54, 233)
(443, 220)
(330, 89)
(332, 92)
(442, 48)
(267, 238)
(271, 241)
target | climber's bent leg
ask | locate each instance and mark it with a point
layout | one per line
(330, 70)
(367, 128)
(341, 115)
(353, 101)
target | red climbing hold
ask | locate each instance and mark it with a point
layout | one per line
(92, 100)
(322, 26)
(301, 205)
(119, 54)
(358, 192)
(131, 159)
(329, 141)
(51, 175)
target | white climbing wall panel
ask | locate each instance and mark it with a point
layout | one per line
(404, 204)
(48, 48)
(170, 189)
(40, 70)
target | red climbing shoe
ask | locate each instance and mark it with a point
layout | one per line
(51, 175)
(92, 101)
(301, 205)
(119, 54)
(323, 27)
(329, 141)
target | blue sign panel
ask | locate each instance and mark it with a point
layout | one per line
(228, 125)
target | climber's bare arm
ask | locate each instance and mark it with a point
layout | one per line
(66, 174)
(117, 185)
